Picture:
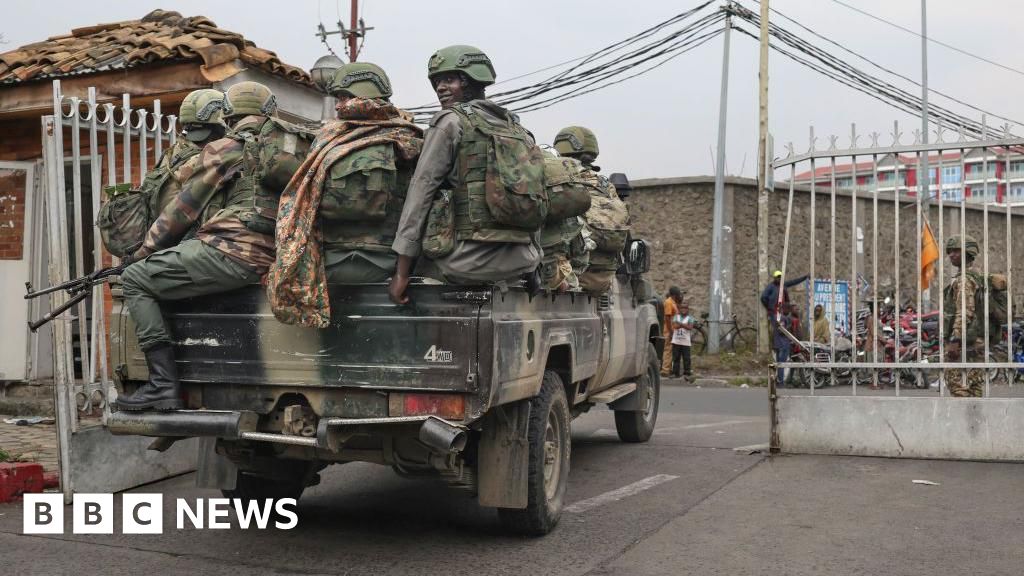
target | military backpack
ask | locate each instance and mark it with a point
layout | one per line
(608, 221)
(501, 197)
(568, 193)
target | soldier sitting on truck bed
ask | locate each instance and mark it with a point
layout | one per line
(338, 217)
(485, 229)
(233, 249)
(608, 218)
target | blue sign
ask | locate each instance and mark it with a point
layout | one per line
(840, 320)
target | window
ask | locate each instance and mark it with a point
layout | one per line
(1017, 191)
(951, 175)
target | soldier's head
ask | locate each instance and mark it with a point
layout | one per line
(676, 293)
(359, 80)
(577, 142)
(459, 74)
(202, 116)
(248, 99)
(955, 247)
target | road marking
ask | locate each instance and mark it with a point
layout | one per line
(619, 493)
(610, 432)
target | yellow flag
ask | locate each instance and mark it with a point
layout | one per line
(929, 256)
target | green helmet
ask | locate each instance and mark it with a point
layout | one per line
(249, 98)
(576, 140)
(970, 245)
(466, 59)
(204, 106)
(360, 79)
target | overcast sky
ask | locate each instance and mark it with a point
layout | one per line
(661, 124)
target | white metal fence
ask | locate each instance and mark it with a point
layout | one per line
(887, 348)
(96, 144)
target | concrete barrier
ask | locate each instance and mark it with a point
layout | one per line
(938, 428)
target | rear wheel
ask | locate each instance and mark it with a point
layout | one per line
(698, 341)
(638, 426)
(548, 473)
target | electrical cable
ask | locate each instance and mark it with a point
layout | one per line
(894, 73)
(930, 39)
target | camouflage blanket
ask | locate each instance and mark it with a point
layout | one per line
(297, 281)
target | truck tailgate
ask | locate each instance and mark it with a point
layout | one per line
(430, 344)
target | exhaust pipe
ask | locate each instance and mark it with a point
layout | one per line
(442, 436)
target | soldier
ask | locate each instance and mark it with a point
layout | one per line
(964, 328)
(349, 198)
(608, 218)
(565, 248)
(252, 164)
(202, 120)
(484, 244)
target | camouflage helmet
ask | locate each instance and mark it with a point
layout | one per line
(576, 140)
(204, 106)
(360, 79)
(970, 245)
(469, 60)
(246, 98)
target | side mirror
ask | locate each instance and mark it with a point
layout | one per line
(638, 258)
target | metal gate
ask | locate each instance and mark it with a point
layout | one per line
(872, 218)
(99, 144)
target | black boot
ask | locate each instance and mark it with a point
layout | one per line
(534, 283)
(162, 392)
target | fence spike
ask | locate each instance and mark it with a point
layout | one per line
(874, 139)
(896, 134)
(917, 136)
(813, 139)
(853, 136)
(790, 150)
(832, 141)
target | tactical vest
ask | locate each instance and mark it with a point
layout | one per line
(363, 198)
(272, 151)
(158, 184)
(485, 204)
(608, 221)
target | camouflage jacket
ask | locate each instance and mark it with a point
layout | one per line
(218, 164)
(175, 167)
(297, 282)
(271, 154)
(962, 326)
(607, 221)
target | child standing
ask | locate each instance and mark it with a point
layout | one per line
(682, 325)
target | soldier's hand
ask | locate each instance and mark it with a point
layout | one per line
(397, 287)
(953, 351)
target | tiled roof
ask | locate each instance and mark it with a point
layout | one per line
(160, 37)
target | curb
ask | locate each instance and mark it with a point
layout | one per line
(17, 478)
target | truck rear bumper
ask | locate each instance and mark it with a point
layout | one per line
(439, 434)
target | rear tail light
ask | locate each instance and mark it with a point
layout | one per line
(450, 406)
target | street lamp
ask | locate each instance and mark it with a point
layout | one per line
(322, 72)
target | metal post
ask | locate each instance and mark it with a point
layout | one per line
(874, 267)
(924, 183)
(834, 312)
(854, 284)
(762, 176)
(942, 274)
(353, 40)
(896, 257)
(718, 301)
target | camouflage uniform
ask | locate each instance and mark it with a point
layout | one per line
(440, 166)
(966, 328)
(235, 247)
(165, 180)
(346, 197)
(609, 215)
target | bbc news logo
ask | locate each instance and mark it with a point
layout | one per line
(144, 514)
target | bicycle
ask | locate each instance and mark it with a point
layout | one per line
(736, 339)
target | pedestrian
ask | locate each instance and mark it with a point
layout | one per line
(682, 325)
(964, 327)
(822, 330)
(780, 341)
(770, 295)
(671, 307)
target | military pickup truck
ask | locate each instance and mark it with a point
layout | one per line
(470, 384)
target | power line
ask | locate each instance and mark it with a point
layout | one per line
(890, 71)
(932, 40)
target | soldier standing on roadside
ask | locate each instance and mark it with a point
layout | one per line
(233, 249)
(963, 327)
(455, 156)
(608, 218)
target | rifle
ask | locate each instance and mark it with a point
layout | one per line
(78, 289)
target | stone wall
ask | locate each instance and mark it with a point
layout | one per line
(675, 214)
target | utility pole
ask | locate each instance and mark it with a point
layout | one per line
(763, 166)
(719, 300)
(351, 35)
(924, 180)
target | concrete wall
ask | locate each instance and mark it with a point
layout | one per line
(942, 428)
(676, 215)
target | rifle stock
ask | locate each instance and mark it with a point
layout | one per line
(77, 288)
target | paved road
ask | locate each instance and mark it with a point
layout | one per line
(685, 503)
